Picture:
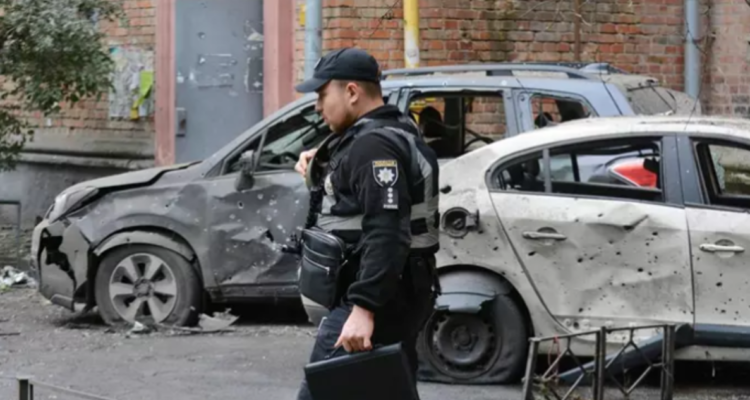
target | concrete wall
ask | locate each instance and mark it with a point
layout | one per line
(35, 185)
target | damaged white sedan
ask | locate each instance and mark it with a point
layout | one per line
(600, 222)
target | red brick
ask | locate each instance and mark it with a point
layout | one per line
(637, 35)
(138, 31)
(608, 28)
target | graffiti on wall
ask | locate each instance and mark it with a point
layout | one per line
(132, 95)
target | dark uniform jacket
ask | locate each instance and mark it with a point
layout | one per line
(380, 193)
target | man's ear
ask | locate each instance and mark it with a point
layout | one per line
(353, 91)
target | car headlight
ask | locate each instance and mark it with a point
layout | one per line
(67, 201)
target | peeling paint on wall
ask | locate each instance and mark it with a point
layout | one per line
(211, 70)
(253, 79)
(132, 96)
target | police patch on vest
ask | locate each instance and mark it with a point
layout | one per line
(385, 171)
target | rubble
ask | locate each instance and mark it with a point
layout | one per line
(206, 324)
(12, 277)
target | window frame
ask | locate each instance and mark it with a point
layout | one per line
(671, 188)
(706, 195)
(257, 136)
(416, 93)
(222, 167)
(557, 98)
(526, 120)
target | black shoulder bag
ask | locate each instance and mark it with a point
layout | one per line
(323, 254)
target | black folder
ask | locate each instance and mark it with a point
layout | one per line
(378, 374)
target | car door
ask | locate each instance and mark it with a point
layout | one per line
(598, 249)
(248, 228)
(717, 201)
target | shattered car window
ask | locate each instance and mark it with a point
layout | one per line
(650, 100)
(648, 97)
(552, 110)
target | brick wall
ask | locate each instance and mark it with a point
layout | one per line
(637, 35)
(727, 58)
(640, 36)
(136, 35)
(87, 132)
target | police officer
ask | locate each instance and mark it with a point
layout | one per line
(379, 183)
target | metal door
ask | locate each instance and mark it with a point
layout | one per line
(219, 63)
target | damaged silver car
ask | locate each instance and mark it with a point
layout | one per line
(541, 236)
(161, 243)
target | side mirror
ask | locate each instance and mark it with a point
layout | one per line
(247, 162)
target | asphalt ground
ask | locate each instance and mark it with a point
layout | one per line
(262, 358)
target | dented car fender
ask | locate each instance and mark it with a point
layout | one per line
(144, 237)
(465, 291)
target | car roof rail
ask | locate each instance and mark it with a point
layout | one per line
(598, 68)
(495, 69)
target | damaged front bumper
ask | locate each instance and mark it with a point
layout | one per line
(60, 253)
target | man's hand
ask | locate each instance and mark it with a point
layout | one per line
(304, 158)
(357, 331)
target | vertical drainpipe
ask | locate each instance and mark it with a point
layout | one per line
(411, 33)
(692, 55)
(313, 35)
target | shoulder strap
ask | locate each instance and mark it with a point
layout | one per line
(397, 132)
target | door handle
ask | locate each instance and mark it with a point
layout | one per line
(712, 248)
(543, 235)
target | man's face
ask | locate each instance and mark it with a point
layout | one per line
(337, 102)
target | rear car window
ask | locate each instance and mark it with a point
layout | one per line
(656, 100)
(650, 100)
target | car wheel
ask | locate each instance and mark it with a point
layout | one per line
(485, 347)
(147, 283)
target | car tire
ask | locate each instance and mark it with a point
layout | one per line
(500, 333)
(167, 287)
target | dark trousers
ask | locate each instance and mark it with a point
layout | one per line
(401, 322)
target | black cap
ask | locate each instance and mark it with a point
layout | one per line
(344, 64)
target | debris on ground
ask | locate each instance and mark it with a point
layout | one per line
(12, 277)
(138, 329)
(206, 324)
(217, 323)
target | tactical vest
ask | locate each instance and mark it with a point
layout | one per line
(424, 214)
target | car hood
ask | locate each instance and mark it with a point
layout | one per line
(127, 179)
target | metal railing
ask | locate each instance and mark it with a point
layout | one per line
(660, 347)
(26, 387)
